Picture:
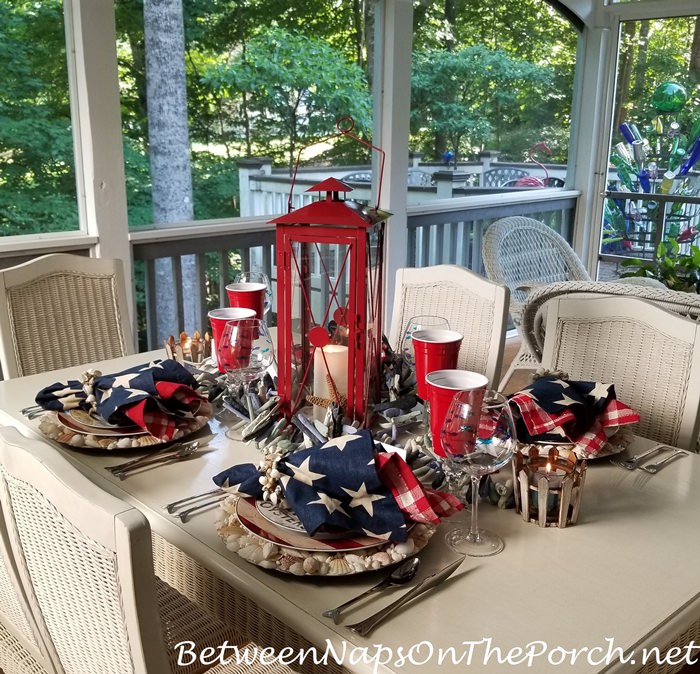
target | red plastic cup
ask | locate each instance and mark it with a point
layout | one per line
(442, 385)
(218, 319)
(247, 296)
(434, 349)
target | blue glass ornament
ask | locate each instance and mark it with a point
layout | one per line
(626, 132)
(693, 156)
(644, 181)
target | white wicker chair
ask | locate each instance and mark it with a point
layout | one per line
(523, 253)
(534, 314)
(473, 305)
(60, 310)
(651, 355)
(22, 649)
(84, 558)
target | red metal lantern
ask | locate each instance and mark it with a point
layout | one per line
(330, 264)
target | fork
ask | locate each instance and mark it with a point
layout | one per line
(634, 461)
(115, 468)
(182, 453)
(172, 507)
(654, 468)
(185, 514)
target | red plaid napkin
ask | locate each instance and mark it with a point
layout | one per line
(418, 502)
(555, 410)
(152, 414)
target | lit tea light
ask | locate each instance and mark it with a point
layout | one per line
(548, 486)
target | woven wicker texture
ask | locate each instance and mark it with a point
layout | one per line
(12, 609)
(521, 253)
(14, 659)
(690, 636)
(473, 305)
(93, 593)
(229, 606)
(64, 317)
(534, 314)
(74, 582)
(651, 355)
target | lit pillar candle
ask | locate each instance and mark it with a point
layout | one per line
(335, 365)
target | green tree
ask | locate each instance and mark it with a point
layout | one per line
(471, 95)
(37, 175)
(296, 87)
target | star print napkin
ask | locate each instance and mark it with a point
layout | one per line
(582, 412)
(155, 396)
(345, 484)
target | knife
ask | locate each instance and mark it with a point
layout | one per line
(364, 627)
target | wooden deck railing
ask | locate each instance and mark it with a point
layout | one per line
(449, 231)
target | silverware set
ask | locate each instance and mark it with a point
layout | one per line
(402, 574)
(636, 461)
(195, 503)
(160, 456)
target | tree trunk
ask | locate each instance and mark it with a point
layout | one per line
(450, 25)
(640, 67)
(625, 71)
(171, 173)
(694, 66)
(369, 41)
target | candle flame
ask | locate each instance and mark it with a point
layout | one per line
(548, 469)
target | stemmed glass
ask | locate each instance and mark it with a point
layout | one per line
(478, 437)
(414, 324)
(245, 352)
(257, 277)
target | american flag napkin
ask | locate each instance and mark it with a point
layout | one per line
(155, 396)
(346, 484)
(555, 410)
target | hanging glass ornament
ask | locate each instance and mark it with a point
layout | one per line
(669, 97)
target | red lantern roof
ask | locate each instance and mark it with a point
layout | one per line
(329, 211)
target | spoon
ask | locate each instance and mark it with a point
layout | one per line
(400, 575)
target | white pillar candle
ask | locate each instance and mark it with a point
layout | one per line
(335, 365)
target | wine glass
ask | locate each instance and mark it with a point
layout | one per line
(478, 437)
(257, 277)
(244, 353)
(414, 324)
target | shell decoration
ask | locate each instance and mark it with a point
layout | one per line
(267, 555)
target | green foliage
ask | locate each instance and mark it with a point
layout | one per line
(215, 187)
(296, 88)
(676, 270)
(37, 176)
(270, 76)
(473, 95)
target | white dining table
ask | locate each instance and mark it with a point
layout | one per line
(620, 583)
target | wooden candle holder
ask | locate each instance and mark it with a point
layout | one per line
(548, 485)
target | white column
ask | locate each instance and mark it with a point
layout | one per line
(95, 113)
(590, 138)
(392, 107)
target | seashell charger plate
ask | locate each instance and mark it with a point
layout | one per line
(258, 540)
(75, 431)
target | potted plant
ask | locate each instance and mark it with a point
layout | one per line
(676, 270)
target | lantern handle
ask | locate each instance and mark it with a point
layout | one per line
(345, 125)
